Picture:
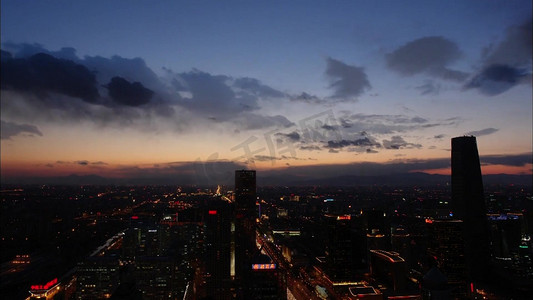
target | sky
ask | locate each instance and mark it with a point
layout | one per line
(186, 88)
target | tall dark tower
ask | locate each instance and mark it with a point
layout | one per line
(245, 245)
(218, 219)
(245, 190)
(468, 204)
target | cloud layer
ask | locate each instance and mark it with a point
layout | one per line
(11, 129)
(58, 86)
(346, 81)
(505, 64)
(431, 55)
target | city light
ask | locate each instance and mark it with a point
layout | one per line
(263, 266)
(48, 285)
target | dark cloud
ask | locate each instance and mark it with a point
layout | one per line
(11, 129)
(515, 48)
(307, 98)
(293, 136)
(310, 147)
(430, 55)
(251, 121)
(429, 88)
(126, 93)
(418, 120)
(82, 162)
(507, 63)
(344, 143)
(131, 69)
(386, 124)
(368, 150)
(254, 86)
(439, 136)
(481, 132)
(25, 50)
(43, 74)
(496, 79)
(329, 127)
(517, 160)
(274, 158)
(397, 142)
(346, 81)
(213, 95)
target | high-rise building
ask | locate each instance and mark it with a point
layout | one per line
(345, 250)
(388, 267)
(245, 191)
(245, 229)
(446, 247)
(157, 277)
(218, 221)
(97, 277)
(468, 204)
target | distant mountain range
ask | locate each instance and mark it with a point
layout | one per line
(400, 179)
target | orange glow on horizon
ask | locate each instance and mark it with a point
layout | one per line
(488, 170)
(23, 169)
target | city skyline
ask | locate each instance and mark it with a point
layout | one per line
(179, 89)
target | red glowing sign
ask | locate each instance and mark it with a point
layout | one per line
(347, 217)
(212, 212)
(263, 266)
(48, 285)
(134, 217)
(429, 221)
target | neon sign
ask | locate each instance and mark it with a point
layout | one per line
(263, 266)
(135, 217)
(346, 217)
(212, 212)
(48, 285)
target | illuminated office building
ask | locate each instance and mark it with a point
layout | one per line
(97, 277)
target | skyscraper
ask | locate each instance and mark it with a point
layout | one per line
(446, 246)
(245, 191)
(218, 219)
(468, 205)
(245, 246)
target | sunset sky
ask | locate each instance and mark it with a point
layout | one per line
(168, 88)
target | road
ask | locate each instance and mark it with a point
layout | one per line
(297, 286)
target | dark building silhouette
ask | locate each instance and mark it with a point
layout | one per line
(244, 224)
(468, 205)
(376, 229)
(345, 251)
(218, 221)
(389, 268)
(435, 286)
(446, 247)
(245, 191)
(266, 280)
(97, 277)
